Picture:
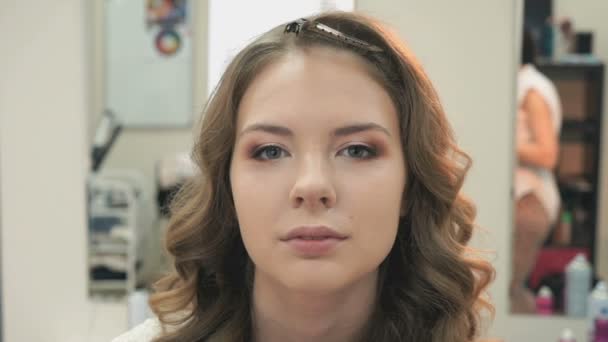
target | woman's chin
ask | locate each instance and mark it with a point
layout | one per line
(308, 279)
(314, 285)
(317, 278)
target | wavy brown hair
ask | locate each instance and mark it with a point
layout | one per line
(431, 285)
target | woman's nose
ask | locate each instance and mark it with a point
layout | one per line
(313, 187)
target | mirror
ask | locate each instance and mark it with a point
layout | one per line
(558, 182)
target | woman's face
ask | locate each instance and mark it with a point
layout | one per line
(317, 171)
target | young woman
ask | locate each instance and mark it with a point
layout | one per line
(328, 204)
(539, 121)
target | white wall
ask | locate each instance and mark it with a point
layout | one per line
(232, 30)
(44, 163)
(469, 51)
(590, 15)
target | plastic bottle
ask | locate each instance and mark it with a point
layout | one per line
(547, 39)
(567, 336)
(601, 327)
(578, 282)
(544, 301)
(598, 301)
(563, 233)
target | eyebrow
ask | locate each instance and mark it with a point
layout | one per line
(338, 132)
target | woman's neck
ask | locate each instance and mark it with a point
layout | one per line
(279, 314)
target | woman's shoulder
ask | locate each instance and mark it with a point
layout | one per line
(143, 332)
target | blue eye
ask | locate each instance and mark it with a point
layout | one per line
(360, 152)
(269, 152)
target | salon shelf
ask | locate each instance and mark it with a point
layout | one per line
(590, 126)
(108, 248)
(113, 235)
(107, 285)
(573, 65)
(580, 185)
(579, 80)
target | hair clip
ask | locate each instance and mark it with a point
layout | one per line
(295, 26)
(300, 24)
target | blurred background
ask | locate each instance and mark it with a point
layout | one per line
(100, 101)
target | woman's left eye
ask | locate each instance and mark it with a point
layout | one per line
(359, 152)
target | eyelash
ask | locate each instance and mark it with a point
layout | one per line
(371, 151)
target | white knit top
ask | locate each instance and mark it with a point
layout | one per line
(144, 332)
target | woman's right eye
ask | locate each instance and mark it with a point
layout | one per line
(269, 152)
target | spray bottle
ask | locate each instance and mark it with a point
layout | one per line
(567, 336)
(601, 327)
(544, 301)
(578, 282)
(598, 301)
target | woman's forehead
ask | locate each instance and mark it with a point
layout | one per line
(320, 84)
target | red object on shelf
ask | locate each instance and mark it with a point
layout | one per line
(554, 260)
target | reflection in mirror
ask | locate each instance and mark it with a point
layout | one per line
(557, 178)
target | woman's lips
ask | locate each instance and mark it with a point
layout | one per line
(313, 241)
